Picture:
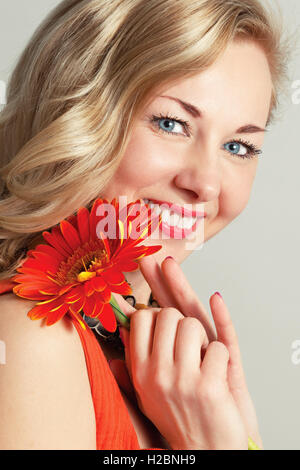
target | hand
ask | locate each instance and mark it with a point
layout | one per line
(186, 398)
(171, 288)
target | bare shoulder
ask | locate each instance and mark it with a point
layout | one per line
(45, 396)
(17, 328)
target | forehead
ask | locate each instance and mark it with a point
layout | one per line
(237, 86)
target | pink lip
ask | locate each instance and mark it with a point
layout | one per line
(180, 210)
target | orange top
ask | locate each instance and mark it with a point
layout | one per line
(114, 429)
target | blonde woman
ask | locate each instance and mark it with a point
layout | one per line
(160, 100)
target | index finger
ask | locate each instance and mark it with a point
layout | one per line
(152, 273)
(227, 335)
(185, 296)
(124, 305)
(171, 289)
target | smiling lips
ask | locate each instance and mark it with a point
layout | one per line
(180, 209)
(174, 224)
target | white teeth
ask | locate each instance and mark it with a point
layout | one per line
(165, 215)
(157, 210)
(187, 223)
(174, 219)
(171, 218)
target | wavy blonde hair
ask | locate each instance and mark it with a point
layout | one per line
(79, 85)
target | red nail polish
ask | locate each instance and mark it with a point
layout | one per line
(218, 293)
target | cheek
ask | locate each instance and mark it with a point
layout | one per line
(236, 190)
(145, 161)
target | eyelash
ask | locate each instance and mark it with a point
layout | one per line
(252, 149)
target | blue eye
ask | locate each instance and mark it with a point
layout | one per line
(235, 147)
(171, 125)
(168, 125)
(241, 148)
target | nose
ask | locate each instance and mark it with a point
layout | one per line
(201, 177)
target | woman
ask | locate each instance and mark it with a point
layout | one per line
(91, 107)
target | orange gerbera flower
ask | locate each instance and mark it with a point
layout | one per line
(78, 270)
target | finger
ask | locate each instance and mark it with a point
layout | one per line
(164, 335)
(215, 362)
(226, 333)
(190, 339)
(124, 305)
(152, 273)
(120, 372)
(142, 326)
(185, 297)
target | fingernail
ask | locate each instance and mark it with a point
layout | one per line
(169, 257)
(218, 293)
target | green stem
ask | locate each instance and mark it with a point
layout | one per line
(120, 316)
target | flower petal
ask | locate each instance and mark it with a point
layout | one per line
(98, 283)
(105, 295)
(70, 234)
(108, 319)
(28, 292)
(33, 273)
(88, 288)
(98, 306)
(37, 312)
(93, 218)
(89, 305)
(83, 221)
(127, 266)
(42, 310)
(56, 239)
(47, 262)
(50, 251)
(73, 220)
(49, 290)
(123, 289)
(43, 264)
(112, 276)
(77, 306)
(34, 281)
(76, 292)
(65, 289)
(56, 314)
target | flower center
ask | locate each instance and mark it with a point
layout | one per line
(83, 264)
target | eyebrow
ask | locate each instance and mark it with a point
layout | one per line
(195, 112)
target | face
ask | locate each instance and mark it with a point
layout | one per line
(205, 159)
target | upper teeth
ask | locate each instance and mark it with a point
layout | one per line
(171, 218)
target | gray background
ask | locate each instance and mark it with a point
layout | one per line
(254, 262)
